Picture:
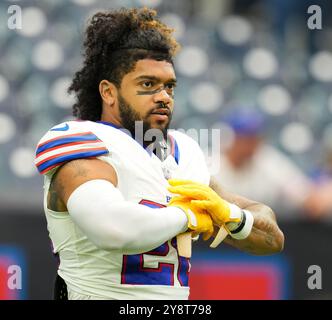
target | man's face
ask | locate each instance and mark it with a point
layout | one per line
(147, 94)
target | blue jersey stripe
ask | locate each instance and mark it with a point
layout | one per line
(176, 151)
(63, 141)
(68, 157)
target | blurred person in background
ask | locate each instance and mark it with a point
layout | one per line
(321, 176)
(258, 170)
(106, 196)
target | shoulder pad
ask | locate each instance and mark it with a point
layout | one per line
(65, 142)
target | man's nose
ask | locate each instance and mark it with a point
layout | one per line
(162, 96)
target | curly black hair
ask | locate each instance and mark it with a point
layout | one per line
(114, 41)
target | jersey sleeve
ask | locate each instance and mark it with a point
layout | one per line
(67, 142)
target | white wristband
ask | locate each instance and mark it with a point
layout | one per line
(237, 230)
(244, 227)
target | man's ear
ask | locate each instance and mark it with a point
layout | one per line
(108, 92)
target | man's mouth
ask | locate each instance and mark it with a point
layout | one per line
(163, 112)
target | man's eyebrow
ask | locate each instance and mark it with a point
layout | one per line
(147, 77)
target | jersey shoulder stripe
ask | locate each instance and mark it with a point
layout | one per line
(66, 139)
(62, 148)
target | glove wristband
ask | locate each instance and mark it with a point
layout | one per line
(244, 228)
(235, 214)
(192, 221)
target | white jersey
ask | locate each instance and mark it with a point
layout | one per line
(91, 272)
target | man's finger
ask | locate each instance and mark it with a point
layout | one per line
(200, 204)
(180, 198)
(179, 182)
(207, 235)
(189, 192)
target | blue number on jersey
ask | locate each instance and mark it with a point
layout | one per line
(134, 272)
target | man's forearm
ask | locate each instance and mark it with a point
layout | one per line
(112, 223)
(265, 236)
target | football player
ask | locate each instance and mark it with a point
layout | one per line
(107, 188)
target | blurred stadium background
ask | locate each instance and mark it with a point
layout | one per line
(257, 54)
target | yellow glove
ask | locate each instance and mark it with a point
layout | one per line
(204, 199)
(198, 220)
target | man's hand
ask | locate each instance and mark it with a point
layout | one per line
(199, 221)
(204, 198)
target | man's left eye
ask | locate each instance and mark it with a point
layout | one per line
(147, 84)
(170, 86)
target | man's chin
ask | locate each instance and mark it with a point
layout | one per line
(158, 126)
